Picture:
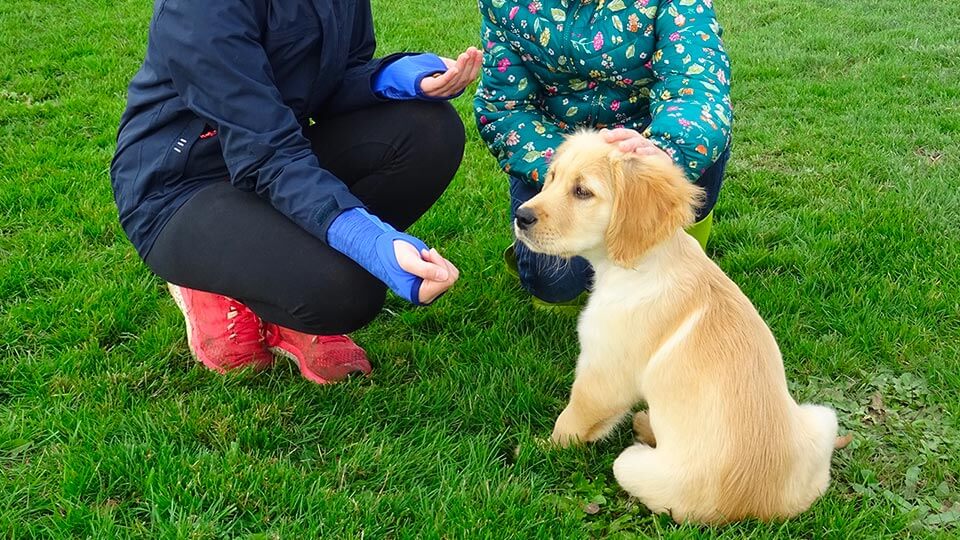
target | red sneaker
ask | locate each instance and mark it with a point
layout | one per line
(321, 359)
(222, 333)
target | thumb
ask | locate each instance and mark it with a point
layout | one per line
(431, 255)
(413, 262)
(429, 271)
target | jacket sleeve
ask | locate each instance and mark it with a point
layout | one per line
(221, 72)
(508, 114)
(690, 99)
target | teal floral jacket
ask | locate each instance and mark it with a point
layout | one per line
(552, 66)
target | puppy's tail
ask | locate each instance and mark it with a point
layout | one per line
(842, 442)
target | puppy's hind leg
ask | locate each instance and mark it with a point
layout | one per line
(646, 474)
(642, 430)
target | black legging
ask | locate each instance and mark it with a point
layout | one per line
(397, 158)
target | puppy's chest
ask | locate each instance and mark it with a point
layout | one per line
(615, 332)
(622, 317)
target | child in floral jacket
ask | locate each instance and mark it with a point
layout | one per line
(653, 71)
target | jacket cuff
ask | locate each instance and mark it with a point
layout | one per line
(324, 215)
(400, 78)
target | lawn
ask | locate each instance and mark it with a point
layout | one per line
(840, 218)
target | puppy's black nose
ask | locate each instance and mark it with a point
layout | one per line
(525, 218)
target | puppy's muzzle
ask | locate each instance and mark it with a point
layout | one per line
(525, 218)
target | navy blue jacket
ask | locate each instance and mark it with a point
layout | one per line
(256, 71)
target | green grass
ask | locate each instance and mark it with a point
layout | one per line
(840, 219)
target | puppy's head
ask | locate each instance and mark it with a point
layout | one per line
(597, 200)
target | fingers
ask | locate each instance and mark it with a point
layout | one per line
(431, 255)
(471, 66)
(454, 271)
(651, 150)
(438, 86)
(477, 63)
(453, 83)
(410, 260)
(464, 69)
(460, 73)
(431, 271)
(619, 134)
(435, 257)
(437, 273)
(430, 290)
(464, 64)
(640, 145)
(631, 141)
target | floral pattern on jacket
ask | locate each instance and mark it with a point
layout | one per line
(552, 66)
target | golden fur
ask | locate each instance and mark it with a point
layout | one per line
(722, 439)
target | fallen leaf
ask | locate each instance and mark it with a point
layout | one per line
(875, 410)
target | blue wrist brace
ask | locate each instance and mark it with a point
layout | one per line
(401, 78)
(369, 242)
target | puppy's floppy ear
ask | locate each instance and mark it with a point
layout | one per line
(651, 200)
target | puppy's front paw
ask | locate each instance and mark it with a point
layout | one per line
(564, 439)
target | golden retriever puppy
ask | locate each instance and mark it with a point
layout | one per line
(722, 439)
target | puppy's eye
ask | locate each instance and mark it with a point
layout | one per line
(581, 192)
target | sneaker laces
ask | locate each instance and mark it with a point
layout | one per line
(339, 338)
(243, 325)
(271, 334)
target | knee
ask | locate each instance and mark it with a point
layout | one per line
(552, 279)
(520, 192)
(348, 312)
(711, 181)
(437, 136)
(551, 287)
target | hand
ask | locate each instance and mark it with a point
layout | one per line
(438, 274)
(459, 74)
(632, 141)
